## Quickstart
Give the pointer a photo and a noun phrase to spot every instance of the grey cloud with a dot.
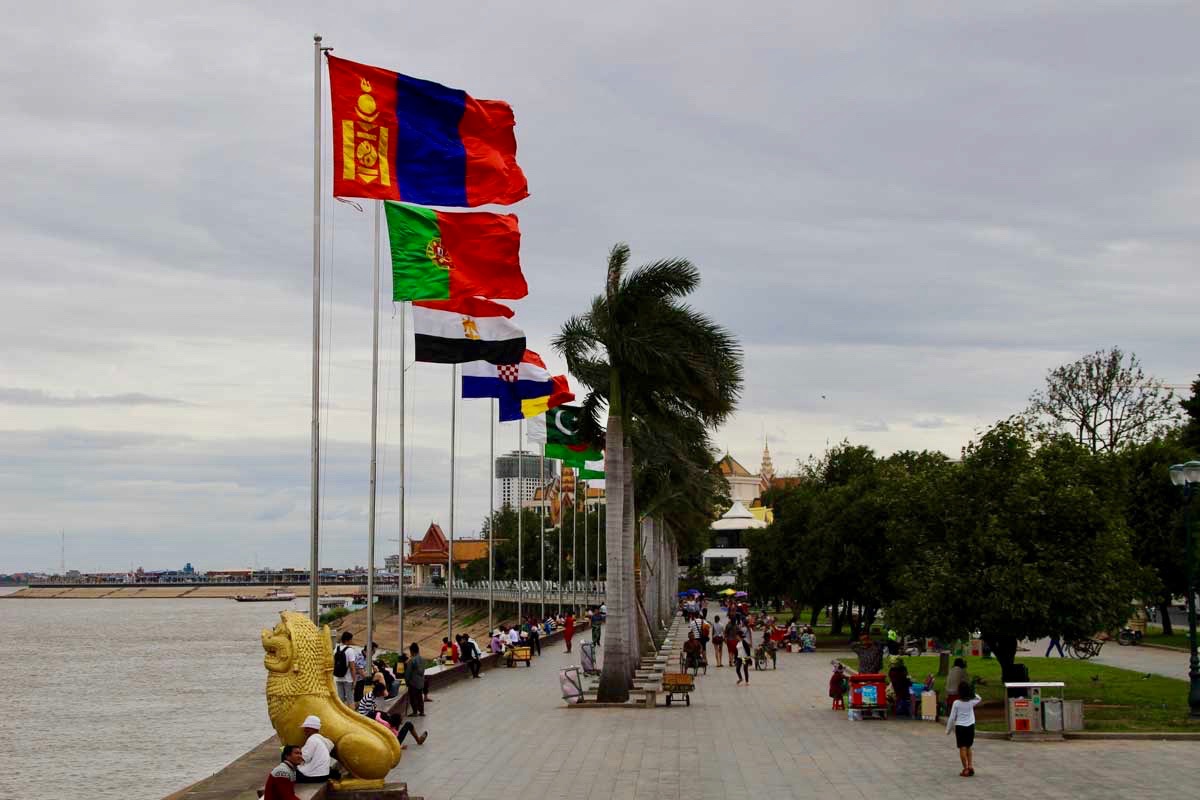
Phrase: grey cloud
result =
(11, 395)
(942, 203)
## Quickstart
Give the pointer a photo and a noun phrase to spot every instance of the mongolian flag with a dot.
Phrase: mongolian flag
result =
(438, 255)
(466, 329)
(402, 138)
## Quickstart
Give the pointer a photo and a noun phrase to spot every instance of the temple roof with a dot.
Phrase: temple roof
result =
(730, 467)
(434, 547)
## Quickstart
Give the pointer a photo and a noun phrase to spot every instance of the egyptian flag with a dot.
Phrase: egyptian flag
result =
(466, 329)
(396, 137)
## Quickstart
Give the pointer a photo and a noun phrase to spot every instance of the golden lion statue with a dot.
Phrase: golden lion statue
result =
(299, 664)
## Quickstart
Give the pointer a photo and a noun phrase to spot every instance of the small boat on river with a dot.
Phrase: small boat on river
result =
(275, 595)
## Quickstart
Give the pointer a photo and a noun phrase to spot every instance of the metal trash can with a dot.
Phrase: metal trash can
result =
(1072, 715)
(1052, 715)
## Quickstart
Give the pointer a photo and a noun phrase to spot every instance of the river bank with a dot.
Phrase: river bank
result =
(123, 592)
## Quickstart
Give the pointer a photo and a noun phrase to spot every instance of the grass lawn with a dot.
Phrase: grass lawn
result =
(1113, 699)
(1154, 635)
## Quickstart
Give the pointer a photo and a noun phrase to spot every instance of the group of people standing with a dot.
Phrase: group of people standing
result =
(734, 637)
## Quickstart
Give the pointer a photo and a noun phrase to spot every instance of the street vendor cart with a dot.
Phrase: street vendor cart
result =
(678, 683)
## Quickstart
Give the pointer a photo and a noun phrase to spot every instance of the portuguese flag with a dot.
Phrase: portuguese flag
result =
(438, 255)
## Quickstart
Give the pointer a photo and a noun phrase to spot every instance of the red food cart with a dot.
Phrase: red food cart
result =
(868, 694)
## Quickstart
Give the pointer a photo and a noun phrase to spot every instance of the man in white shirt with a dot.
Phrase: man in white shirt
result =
(514, 636)
(317, 766)
(345, 681)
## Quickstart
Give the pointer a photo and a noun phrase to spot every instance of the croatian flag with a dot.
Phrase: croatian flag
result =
(524, 390)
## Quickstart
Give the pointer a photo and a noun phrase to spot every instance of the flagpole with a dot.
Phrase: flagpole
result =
(374, 428)
(574, 552)
(587, 587)
(542, 515)
(520, 512)
(314, 610)
(491, 513)
(450, 549)
(403, 411)
(561, 520)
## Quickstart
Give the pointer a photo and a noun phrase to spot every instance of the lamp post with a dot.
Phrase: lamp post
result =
(1187, 477)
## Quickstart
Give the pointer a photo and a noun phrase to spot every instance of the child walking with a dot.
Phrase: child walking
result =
(962, 720)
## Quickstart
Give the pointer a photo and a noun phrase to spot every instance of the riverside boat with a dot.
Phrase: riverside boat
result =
(275, 595)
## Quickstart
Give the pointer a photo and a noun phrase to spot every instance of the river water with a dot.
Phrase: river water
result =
(127, 699)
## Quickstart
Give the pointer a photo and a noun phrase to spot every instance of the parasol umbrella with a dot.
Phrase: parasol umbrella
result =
(727, 592)
(740, 594)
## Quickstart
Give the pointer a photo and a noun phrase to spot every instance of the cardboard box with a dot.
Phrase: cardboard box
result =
(929, 705)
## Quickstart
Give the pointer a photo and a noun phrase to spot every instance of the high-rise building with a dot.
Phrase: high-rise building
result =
(517, 476)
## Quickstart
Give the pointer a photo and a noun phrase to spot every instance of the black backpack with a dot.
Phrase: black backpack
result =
(340, 665)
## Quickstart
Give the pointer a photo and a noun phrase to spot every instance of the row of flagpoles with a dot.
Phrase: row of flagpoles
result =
(412, 144)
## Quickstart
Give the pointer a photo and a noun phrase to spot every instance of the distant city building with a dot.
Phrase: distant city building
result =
(517, 476)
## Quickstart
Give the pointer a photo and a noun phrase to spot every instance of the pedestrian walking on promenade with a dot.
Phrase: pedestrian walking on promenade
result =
(597, 623)
(569, 630)
(731, 634)
(1055, 641)
(961, 720)
(345, 668)
(414, 678)
(718, 640)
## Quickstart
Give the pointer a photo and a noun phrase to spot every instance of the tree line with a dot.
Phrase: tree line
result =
(1055, 521)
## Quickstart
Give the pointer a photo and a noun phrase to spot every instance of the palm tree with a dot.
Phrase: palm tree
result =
(653, 361)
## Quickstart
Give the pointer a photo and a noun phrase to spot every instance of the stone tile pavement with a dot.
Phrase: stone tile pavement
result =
(510, 735)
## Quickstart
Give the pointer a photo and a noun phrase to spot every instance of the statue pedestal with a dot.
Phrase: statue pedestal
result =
(395, 791)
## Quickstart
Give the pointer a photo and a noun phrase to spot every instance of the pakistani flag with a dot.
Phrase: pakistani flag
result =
(563, 440)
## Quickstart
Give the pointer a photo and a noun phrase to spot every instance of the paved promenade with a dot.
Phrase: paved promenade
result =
(1168, 663)
(510, 735)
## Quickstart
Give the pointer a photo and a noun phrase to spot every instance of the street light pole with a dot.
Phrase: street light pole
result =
(1187, 477)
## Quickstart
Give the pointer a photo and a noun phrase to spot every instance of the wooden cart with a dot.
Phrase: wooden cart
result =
(514, 654)
(678, 683)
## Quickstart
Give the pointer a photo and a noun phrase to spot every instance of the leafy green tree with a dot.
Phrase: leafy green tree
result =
(1026, 538)
(647, 356)
(1190, 435)
(1104, 400)
(1154, 508)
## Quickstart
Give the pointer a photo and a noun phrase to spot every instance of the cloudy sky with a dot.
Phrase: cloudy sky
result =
(907, 218)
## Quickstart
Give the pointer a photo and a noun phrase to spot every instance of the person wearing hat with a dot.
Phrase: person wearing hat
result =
(317, 764)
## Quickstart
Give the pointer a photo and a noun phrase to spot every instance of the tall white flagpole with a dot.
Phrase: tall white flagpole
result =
(542, 516)
(403, 411)
(574, 552)
(374, 427)
(491, 515)
(450, 548)
(520, 514)
(314, 610)
(561, 520)
(587, 587)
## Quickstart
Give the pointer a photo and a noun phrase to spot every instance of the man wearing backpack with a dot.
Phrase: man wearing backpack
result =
(345, 668)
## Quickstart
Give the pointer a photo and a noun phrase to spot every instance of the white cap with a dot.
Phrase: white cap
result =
(312, 721)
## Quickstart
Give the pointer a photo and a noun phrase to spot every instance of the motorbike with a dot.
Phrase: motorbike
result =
(1129, 637)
